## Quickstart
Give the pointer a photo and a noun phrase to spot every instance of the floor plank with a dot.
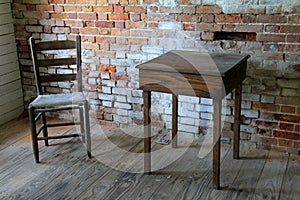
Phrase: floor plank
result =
(291, 184)
(67, 173)
(270, 181)
(247, 177)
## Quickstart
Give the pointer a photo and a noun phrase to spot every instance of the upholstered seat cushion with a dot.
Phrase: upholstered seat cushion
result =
(52, 100)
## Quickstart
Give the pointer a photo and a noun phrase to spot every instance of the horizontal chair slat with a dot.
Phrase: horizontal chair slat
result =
(55, 45)
(56, 62)
(59, 137)
(58, 77)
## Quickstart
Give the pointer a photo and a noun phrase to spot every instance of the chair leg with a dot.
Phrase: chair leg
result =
(87, 129)
(34, 135)
(82, 128)
(45, 130)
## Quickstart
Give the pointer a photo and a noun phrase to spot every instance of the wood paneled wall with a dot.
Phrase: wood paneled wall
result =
(11, 95)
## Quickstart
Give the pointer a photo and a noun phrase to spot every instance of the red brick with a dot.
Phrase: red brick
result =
(119, 25)
(57, 1)
(228, 27)
(44, 7)
(104, 8)
(41, 15)
(89, 24)
(75, 30)
(120, 32)
(90, 45)
(124, 2)
(208, 10)
(288, 109)
(88, 39)
(207, 18)
(271, 19)
(89, 31)
(58, 15)
(139, 24)
(228, 18)
(266, 106)
(72, 15)
(188, 18)
(297, 145)
(72, 8)
(287, 118)
(118, 17)
(87, 16)
(286, 127)
(249, 18)
(104, 24)
(266, 124)
(102, 16)
(272, 28)
(135, 9)
(150, 1)
(120, 77)
(293, 101)
(74, 23)
(286, 135)
(189, 27)
(106, 39)
(270, 38)
(208, 27)
(134, 1)
(294, 19)
(286, 143)
(295, 67)
(249, 28)
(297, 128)
(86, 1)
(107, 68)
(88, 9)
(293, 38)
(119, 9)
(289, 29)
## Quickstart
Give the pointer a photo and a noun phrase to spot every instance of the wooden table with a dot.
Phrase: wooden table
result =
(194, 74)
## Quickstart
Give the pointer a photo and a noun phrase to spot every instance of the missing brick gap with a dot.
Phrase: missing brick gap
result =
(238, 36)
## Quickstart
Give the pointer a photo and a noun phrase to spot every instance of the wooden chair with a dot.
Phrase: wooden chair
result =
(46, 102)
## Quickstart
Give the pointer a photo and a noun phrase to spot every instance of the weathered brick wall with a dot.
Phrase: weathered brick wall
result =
(119, 34)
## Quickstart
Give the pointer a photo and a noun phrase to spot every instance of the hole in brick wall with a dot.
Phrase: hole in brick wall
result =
(242, 36)
(298, 152)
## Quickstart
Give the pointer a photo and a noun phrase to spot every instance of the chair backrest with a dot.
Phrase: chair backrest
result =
(47, 54)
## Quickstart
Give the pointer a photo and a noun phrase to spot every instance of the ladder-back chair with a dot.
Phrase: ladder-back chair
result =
(49, 102)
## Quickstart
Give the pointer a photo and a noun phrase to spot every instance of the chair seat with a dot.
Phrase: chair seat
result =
(52, 100)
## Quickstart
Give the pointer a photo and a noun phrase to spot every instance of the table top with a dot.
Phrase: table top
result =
(193, 62)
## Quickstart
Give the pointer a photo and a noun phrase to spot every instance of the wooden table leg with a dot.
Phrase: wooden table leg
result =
(236, 124)
(174, 120)
(217, 145)
(147, 131)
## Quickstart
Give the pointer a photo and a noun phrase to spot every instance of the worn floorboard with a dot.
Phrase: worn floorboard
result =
(65, 171)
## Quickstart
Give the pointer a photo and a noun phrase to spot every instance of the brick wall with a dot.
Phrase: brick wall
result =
(119, 34)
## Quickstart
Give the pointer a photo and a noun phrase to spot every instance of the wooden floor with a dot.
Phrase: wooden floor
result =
(65, 172)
